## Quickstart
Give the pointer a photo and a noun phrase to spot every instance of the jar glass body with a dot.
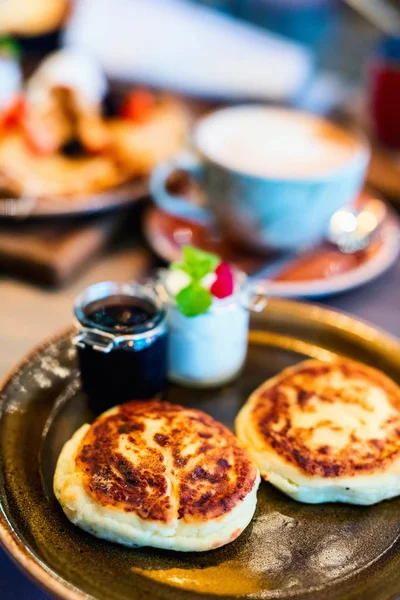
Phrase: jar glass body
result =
(117, 366)
(210, 349)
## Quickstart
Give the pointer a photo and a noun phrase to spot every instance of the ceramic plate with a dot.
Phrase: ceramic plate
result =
(290, 550)
(64, 206)
(320, 272)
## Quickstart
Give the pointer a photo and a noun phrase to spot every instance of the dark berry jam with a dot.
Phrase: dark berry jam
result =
(122, 344)
(121, 314)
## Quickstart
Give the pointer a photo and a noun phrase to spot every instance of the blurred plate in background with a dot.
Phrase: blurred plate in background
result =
(73, 206)
(322, 271)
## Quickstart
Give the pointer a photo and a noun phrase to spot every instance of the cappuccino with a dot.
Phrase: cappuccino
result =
(272, 178)
(275, 143)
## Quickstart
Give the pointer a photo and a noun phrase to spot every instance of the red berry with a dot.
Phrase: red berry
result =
(224, 284)
(224, 268)
(138, 106)
(13, 113)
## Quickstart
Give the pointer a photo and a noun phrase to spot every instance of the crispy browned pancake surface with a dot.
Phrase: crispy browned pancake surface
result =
(330, 420)
(161, 460)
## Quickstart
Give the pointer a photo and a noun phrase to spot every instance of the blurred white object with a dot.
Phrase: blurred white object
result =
(71, 70)
(182, 46)
(10, 80)
(326, 92)
(64, 98)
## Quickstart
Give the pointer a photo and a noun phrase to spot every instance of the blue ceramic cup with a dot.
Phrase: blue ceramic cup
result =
(272, 178)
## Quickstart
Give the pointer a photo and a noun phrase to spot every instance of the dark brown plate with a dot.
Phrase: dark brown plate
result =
(290, 550)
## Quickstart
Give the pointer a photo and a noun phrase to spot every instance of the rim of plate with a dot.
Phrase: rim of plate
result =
(31, 564)
(369, 270)
(35, 568)
(122, 195)
(378, 264)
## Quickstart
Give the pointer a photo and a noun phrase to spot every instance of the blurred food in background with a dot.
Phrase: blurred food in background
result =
(64, 100)
(128, 79)
(32, 17)
(57, 135)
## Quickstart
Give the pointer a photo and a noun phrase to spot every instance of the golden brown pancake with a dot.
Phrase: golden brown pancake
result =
(49, 176)
(326, 432)
(157, 474)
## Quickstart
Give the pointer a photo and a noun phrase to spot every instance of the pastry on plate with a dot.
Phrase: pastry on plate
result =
(148, 131)
(150, 473)
(64, 100)
(28, 173)
(63, 105)
(60, 104)
(326, 432)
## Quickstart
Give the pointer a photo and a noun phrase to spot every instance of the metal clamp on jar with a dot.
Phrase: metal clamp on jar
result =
(121, 343)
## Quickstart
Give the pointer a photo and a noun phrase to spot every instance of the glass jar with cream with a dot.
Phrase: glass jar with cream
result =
(121, 343)
(208, 306)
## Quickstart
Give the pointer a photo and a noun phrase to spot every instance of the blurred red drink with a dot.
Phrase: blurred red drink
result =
(384, 91)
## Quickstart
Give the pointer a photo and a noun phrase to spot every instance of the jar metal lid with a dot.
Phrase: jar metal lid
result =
(104, 340)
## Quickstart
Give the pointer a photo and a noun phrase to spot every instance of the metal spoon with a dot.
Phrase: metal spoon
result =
(352, 230)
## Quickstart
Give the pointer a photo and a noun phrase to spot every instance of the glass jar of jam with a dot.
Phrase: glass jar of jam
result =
(121, 343)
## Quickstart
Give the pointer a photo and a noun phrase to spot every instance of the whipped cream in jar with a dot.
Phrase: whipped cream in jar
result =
(208, 349)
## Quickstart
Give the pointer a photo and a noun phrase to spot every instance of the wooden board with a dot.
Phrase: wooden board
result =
(53, 253)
